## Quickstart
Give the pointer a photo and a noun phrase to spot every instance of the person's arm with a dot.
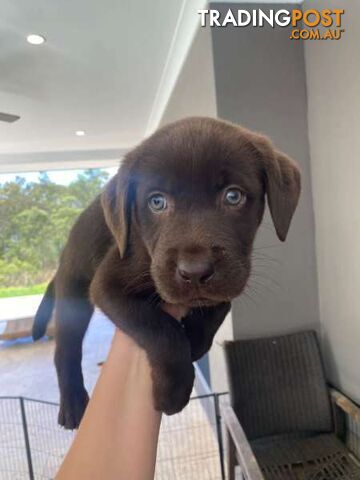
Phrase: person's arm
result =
(117, 438)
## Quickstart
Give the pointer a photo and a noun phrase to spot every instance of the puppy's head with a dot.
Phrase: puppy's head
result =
(194, 192)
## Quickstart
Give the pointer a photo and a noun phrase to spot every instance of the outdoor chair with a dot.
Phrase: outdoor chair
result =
(284, 422)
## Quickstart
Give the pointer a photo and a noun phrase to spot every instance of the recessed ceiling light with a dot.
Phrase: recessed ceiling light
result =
(80, 133)
(35, 39)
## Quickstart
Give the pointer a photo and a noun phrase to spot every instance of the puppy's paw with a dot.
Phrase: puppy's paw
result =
(72, 408)
(172, 386)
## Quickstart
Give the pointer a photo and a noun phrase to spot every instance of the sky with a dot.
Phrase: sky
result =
(62, 177)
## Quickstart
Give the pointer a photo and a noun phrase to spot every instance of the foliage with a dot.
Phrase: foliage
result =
(36, 218)
(22, 291)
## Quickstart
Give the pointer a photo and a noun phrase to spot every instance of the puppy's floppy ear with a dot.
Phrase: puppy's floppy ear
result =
(116, 201)
(282, 183)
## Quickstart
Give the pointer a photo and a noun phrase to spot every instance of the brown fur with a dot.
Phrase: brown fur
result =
(197, 252)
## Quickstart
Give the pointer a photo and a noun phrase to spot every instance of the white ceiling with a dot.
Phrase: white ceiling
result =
(98, 71)
(108, 67)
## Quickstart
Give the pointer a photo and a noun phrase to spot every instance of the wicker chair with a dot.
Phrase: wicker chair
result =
(284, 423)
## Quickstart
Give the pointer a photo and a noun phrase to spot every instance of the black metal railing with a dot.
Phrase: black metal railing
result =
(32, 445)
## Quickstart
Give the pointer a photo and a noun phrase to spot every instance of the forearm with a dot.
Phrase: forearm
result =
(118, 435)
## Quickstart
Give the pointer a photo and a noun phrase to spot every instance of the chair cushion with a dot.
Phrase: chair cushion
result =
(277, 385)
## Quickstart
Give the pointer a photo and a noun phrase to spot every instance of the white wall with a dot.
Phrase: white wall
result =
(333, 82)
(194, 91)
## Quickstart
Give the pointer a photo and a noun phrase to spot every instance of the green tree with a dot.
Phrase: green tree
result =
(35, 221)
(87, 185)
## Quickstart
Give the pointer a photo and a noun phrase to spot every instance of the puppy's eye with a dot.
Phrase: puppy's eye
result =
(157, 202)
(234, 196)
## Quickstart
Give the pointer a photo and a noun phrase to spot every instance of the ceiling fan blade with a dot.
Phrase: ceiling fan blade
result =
(7, 117)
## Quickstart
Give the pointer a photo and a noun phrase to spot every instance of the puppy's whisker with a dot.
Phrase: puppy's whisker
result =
(263, 256)
(267, 227)
(267, 278)
(262, 288)
(266, 247)
(246, 296)
(269, 262)
(256, 294)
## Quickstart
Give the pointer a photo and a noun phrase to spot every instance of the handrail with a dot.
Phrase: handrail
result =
(47, 402)
(347, 405)
(248, 462)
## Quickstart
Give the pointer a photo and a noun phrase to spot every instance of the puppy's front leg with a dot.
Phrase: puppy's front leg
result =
(159, 334)
(201, 326)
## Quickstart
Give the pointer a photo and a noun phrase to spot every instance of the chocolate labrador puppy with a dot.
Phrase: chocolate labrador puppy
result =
(176, 224)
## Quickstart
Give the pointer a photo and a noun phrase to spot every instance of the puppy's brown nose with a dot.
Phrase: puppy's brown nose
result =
(194, 271)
